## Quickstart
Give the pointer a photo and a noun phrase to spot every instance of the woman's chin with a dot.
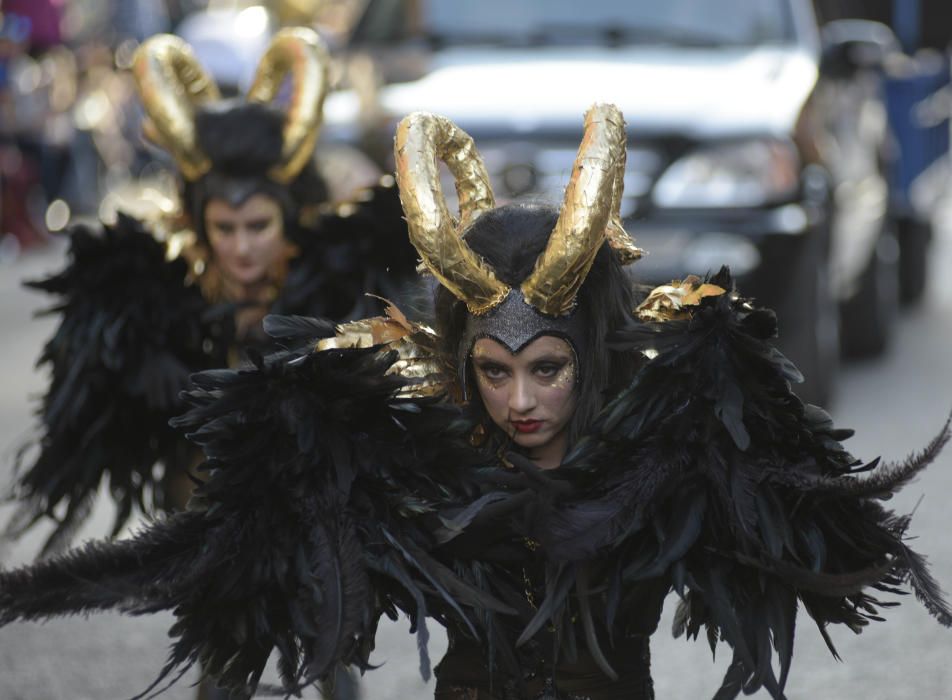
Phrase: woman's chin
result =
(531, 439)
(246, 277)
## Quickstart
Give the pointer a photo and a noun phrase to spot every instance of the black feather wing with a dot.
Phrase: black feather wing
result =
(131, 330)
(710, 474)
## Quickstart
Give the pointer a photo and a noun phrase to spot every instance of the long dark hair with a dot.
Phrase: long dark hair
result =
(510, 238)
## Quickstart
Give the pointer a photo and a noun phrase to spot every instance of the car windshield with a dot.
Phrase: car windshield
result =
(560, 22)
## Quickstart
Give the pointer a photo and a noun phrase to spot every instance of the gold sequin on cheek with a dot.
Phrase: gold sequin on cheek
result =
(483, 381)
(565, 378)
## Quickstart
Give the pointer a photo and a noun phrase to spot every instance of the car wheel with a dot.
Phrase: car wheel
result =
(914, 237)
(867, 318)
(809, 325)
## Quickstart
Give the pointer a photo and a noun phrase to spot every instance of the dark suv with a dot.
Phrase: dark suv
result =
(752, 143)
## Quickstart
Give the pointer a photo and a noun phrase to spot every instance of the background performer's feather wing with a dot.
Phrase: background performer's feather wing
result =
(131, 330)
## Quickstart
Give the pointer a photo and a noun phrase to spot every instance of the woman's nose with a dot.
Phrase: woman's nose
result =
(522, 398)
(243, 242)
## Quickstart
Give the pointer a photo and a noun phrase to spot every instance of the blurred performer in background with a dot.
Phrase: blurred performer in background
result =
(143, 304)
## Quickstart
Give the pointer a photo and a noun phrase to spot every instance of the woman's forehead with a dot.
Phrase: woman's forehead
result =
(256, 206)
(543, 346)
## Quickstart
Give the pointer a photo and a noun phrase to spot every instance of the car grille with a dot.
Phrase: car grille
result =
(540, 172)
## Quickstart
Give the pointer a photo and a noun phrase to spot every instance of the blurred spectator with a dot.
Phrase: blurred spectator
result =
(45, 21)
(111, 22)
(31, 29)
(140, 19)
(920, 24)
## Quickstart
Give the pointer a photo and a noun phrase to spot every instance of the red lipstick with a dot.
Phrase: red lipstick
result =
(527, 426)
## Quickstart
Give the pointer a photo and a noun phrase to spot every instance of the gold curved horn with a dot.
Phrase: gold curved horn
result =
(621, 243)
(300, 53)
(171, 82)
(591, 205)
(421, 141)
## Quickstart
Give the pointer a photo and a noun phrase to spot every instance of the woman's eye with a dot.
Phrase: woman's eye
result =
(492, 372)
(259, 226)
(547, 370)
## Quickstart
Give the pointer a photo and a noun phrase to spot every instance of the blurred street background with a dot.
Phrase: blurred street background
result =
(806, 144)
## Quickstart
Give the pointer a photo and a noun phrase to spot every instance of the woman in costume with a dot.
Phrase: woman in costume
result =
(537, 476)
(145, 303)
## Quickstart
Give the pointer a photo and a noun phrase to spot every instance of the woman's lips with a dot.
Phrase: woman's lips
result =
(527, 426)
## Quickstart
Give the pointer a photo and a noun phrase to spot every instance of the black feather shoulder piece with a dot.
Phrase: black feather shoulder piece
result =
(709, 474)
(130, 333)
(327, 462)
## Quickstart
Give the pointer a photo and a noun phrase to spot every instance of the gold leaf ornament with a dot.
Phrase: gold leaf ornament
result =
(672, 302)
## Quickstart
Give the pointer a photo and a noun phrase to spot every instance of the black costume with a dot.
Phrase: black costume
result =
(344, 485)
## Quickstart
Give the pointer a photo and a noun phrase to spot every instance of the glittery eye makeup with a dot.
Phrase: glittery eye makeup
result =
(547, 369)
(556, 370)
(563, 377)
(490, 371)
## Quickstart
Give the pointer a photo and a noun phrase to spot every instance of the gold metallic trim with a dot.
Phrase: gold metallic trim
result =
(422, 140)
(673, 302)
(300, 53)
(417, 358)
(591, 204)
(624, 245)
(171, 83)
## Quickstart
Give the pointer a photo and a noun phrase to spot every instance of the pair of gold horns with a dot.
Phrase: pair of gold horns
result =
(172, 84)
(589, 213)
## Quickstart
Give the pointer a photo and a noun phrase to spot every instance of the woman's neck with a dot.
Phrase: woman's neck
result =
(550, 455)
(255, 292)
(253, 300)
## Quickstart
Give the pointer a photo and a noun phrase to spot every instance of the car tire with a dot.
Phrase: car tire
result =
(867, 318)
(809, 324)
(914, 238)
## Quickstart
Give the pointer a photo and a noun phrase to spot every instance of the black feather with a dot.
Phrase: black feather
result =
(710, 473)
(130, 333)
(316, 516)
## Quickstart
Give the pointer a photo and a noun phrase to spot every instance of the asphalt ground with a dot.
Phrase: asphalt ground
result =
(896, 403)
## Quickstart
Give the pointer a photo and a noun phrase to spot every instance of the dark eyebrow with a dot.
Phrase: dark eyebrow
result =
(489, 362)
(263, 221)
(552, 358)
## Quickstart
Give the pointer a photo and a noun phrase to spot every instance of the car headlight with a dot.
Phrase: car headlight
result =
(739, 174)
